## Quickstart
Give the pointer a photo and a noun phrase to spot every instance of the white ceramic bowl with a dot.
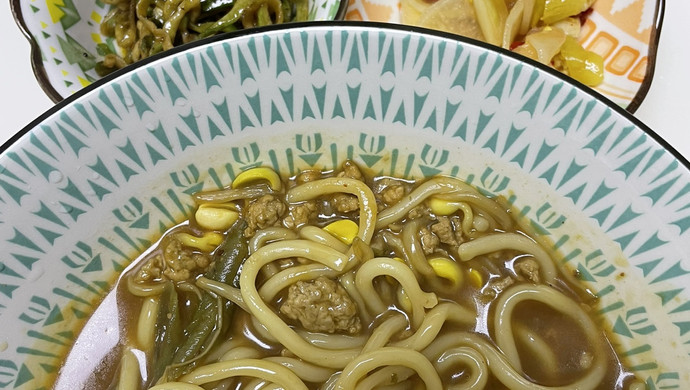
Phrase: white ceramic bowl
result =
(94, 181)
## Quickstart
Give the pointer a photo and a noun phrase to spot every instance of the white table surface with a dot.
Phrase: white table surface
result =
(665, 109)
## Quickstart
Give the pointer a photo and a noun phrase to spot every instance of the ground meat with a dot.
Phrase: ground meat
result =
(300, 214)
(351, 170)
(429, 241)
(322, 305)
(262, 213)
(446, 232)
(151, 270)
(496, 286)
(345, 203)
(389, 191)
(183, 263)
(392, 194)
(528, 269)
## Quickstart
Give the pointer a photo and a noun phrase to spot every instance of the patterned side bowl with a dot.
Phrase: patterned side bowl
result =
(95, 180)
(64, 34)
(624, 32)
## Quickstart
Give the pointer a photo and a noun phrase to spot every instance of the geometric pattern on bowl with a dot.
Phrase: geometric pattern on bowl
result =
(96, 181)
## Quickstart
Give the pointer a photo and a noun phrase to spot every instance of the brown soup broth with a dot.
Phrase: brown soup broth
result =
(484, 279)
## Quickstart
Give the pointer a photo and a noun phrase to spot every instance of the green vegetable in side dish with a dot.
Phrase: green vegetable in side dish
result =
(142, 28)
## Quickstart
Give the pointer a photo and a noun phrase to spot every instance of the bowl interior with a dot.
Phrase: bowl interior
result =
(99, 177)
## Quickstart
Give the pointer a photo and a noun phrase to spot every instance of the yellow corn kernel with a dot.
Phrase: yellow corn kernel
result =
(476, 278)
(259, 173)
(344, 230)
(216, 217)
(443, 207)
(404, 300)
(447, 269)
(206, 243)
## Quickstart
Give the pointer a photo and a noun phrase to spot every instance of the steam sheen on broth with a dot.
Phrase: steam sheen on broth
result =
(338, 280)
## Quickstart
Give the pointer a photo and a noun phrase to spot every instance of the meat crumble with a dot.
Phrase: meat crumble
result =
(322, 305)
(429, 240)
(183, 263)
(264, 212)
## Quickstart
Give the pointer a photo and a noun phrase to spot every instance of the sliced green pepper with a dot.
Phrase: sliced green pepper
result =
(228, 258)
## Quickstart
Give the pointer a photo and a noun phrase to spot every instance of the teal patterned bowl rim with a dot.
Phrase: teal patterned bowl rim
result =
(37, 57)
(597, 124)
(627, 112)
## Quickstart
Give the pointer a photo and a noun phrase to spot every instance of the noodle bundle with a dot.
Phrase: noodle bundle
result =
(336, 280)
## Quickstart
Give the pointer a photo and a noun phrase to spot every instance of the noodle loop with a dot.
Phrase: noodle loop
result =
(395, 285)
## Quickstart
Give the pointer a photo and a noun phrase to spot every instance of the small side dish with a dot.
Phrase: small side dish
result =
(75, 43)
(623, 33)
(141, 28)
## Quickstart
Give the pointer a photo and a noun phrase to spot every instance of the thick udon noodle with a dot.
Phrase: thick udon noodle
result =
(457, 325)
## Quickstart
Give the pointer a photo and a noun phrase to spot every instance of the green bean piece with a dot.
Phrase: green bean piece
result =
(169, 7)
(239, 9)
(228, 19)
(103, 49)
(229, 28)
(199, 27)
(302, 10)
(157, 47)
(230, 254)
(108, 25)
(263, 17)
(196, 335)
(287, 9)
(212, 7)
(103, 70)
(173, 23)
(168, 331)
(142, 9)
(228, 258)
(145, 45)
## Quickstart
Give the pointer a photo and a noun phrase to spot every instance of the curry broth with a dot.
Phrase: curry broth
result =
(554, 328)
